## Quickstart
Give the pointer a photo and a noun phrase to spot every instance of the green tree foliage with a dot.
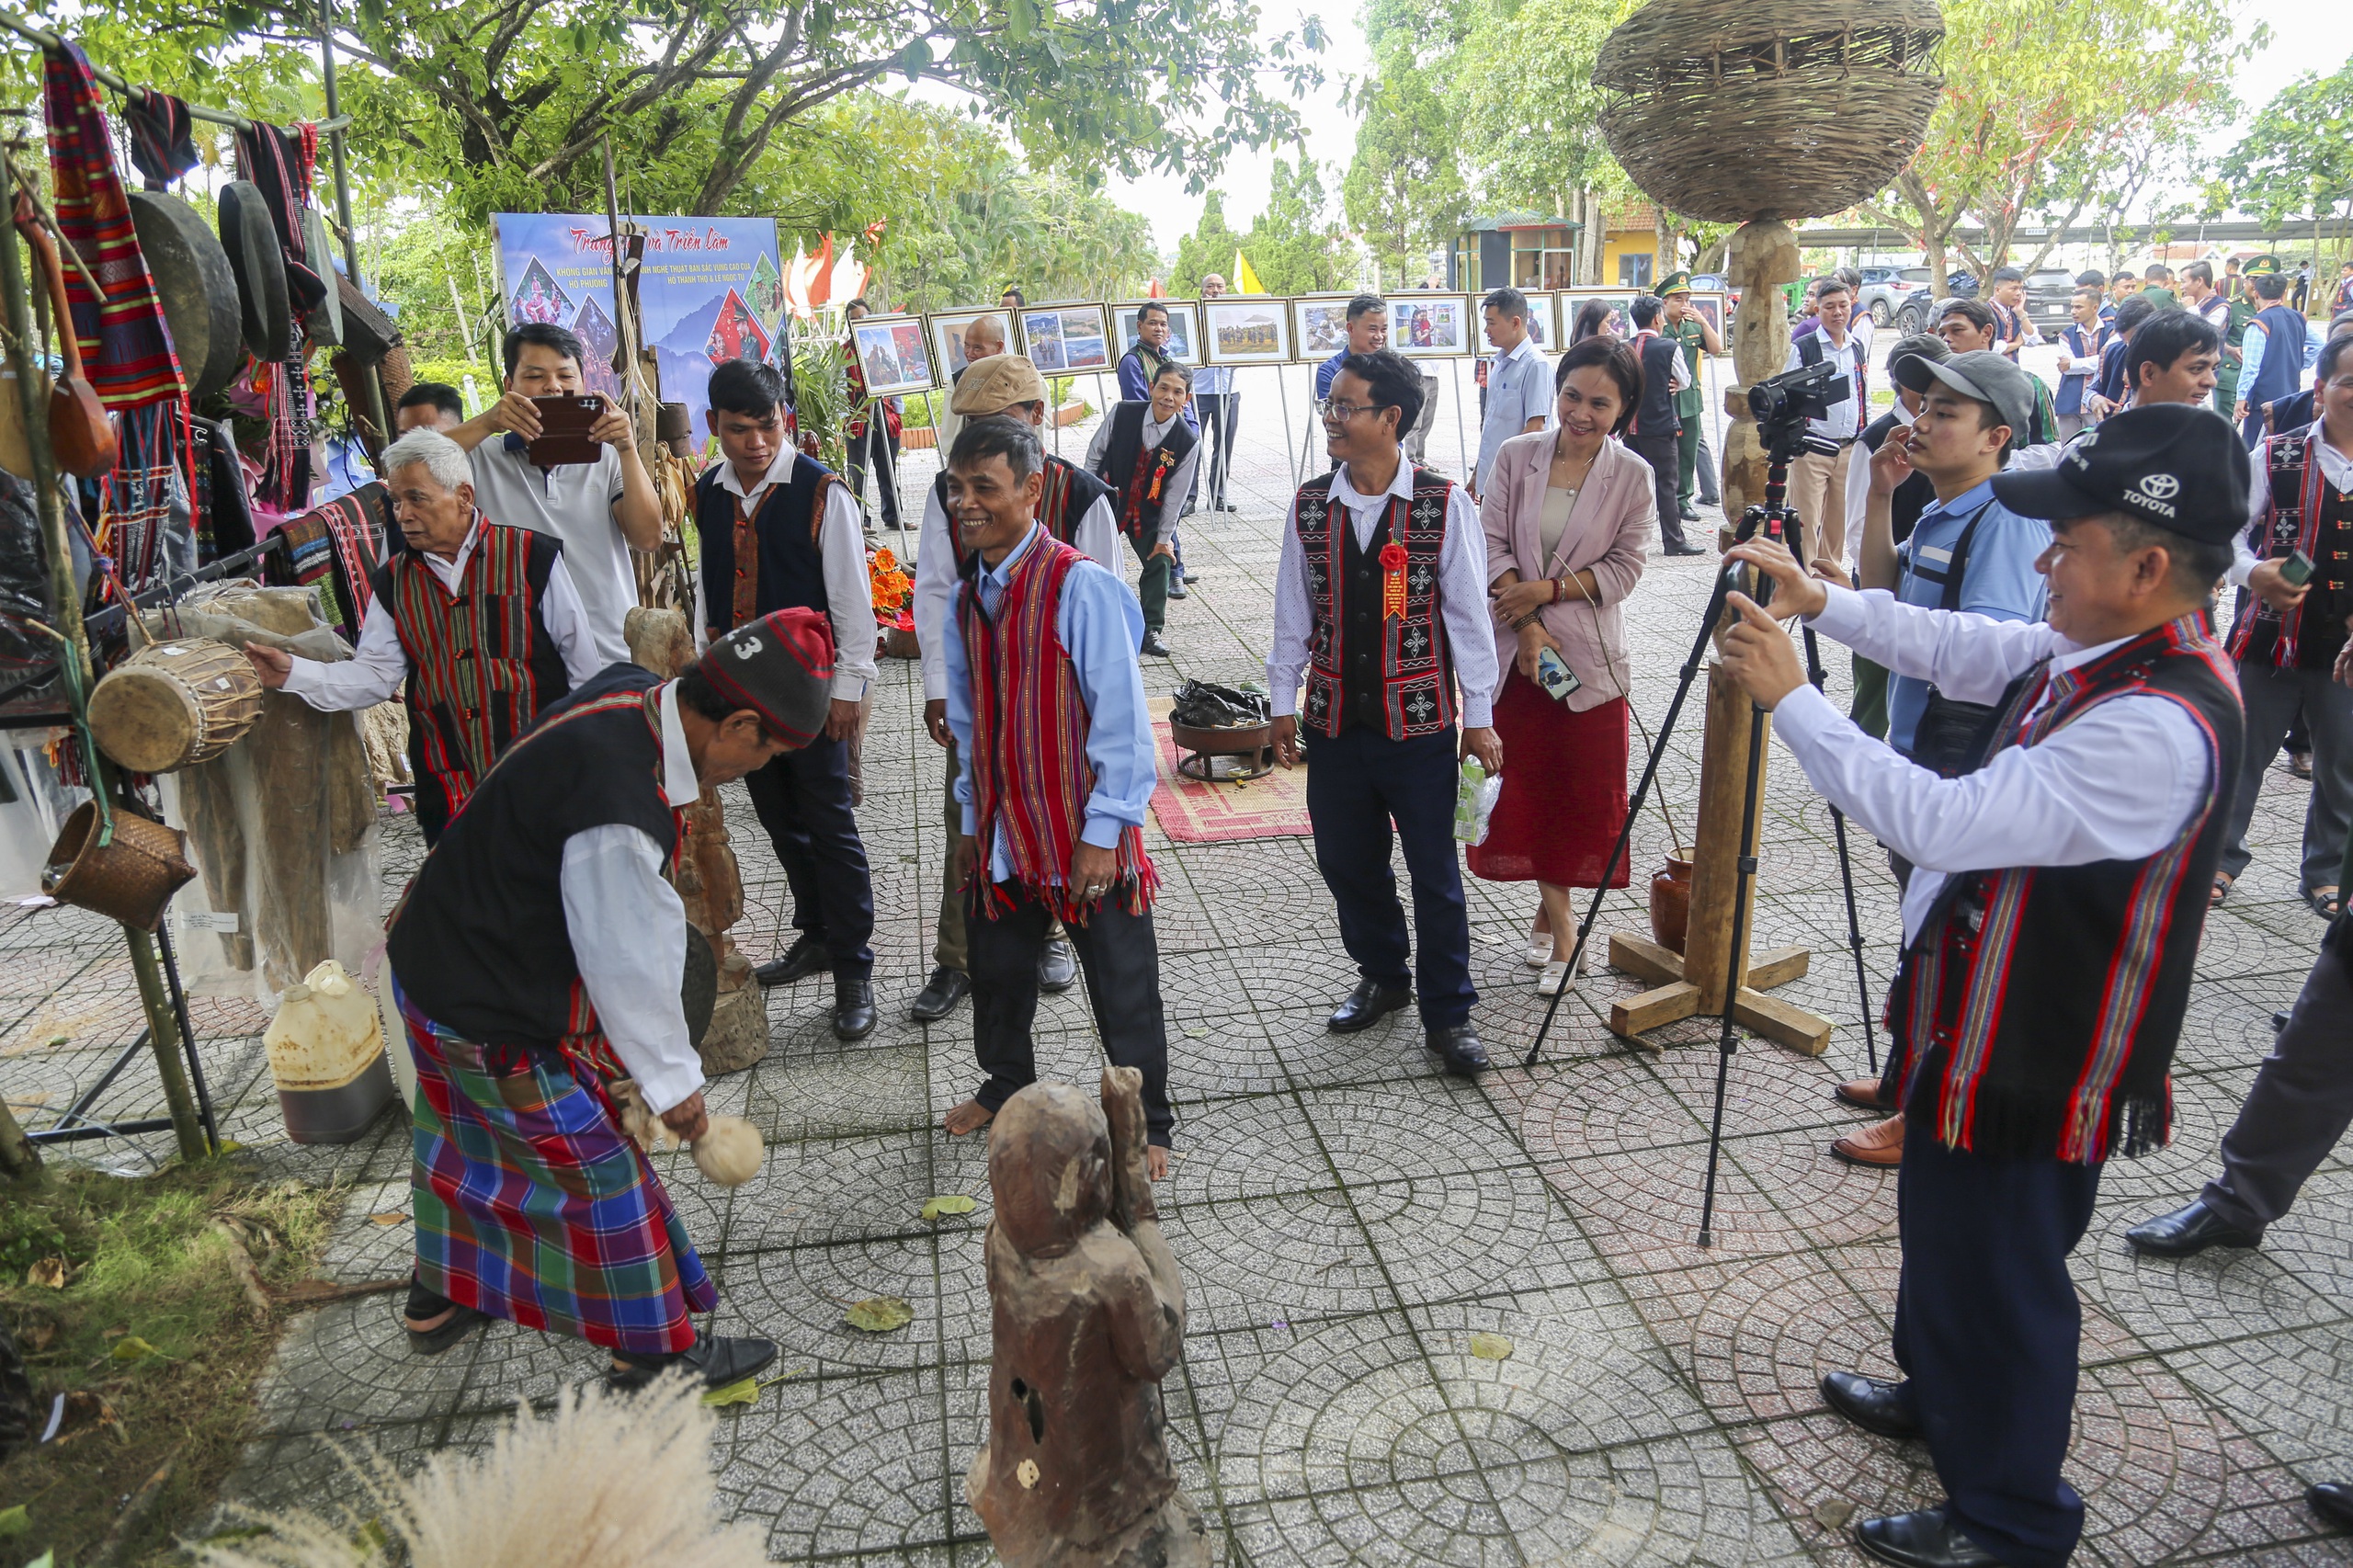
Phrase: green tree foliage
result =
(1296, 245)
(504, 103)
(1405, 189)
(2108, 86)
(1532, 127)
(2297, 158)
(1208, 248)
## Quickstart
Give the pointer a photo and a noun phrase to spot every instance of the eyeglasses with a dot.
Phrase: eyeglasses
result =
(1334, 409)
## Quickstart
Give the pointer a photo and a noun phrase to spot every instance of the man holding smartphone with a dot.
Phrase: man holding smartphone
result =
(2293, 564)
(600, 510)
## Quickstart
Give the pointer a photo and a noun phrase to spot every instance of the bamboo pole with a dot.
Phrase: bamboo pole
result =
(162, 1027)
(335, 122)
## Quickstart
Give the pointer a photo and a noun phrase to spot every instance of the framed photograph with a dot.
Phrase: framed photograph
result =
(1543, 322)
(948, 338)
(1432, 326)
(1065, 340)
(891, 351)
(1319, 325)
(1618, 301)
(1184, 328)
(1716, 310)
(1252, 330)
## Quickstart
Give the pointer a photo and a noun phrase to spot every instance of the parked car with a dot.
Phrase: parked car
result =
(2050, 300)
(1884, 287)
(1918, 309)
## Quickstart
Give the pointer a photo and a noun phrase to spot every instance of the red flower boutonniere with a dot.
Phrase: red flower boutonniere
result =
(1393, 582)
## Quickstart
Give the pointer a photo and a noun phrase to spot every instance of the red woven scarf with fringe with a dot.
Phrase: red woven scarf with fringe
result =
(1030, 776)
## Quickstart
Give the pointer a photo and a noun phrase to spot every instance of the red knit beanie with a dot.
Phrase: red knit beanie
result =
(781, 667)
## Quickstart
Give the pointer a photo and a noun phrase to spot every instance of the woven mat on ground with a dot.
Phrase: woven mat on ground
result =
(1194, 813)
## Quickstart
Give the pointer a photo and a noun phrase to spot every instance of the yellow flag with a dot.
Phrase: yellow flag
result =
(1244, 280)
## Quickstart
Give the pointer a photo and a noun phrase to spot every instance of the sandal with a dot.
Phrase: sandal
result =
(2222, 880)
(2326, 903)
(460, 1322)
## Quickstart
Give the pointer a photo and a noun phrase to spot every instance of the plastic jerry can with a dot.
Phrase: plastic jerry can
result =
(326, 1055)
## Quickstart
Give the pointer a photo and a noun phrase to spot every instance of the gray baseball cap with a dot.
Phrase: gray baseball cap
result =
(1987, 378)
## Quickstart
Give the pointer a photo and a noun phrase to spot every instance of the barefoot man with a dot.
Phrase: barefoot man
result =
(1045, 696)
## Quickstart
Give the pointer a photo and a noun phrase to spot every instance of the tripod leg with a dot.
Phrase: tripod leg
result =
(1815, 674)
(1743, 879)
(1635, 807)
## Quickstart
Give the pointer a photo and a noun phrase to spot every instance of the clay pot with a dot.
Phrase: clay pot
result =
(1671, 904)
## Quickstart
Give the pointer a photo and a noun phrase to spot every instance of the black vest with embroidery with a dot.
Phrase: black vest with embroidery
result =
(2316, 626)
(2035, 1014)
(1394, 674)
(1069, 493)
(1138, 511)
(791, 561)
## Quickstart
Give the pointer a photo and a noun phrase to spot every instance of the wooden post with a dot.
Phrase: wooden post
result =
(19, 1158)
(1723, 782)
(1761, 257)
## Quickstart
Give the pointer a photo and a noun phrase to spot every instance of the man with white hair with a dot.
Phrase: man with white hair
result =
(984, 339)
(481, 620)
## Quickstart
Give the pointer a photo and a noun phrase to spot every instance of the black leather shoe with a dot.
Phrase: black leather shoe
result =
(800, 960)
(460, 1322)
(940, 996)
(2188, 1231)
(1368, 1005)
(1873, 1403)
(853, 1006)
(1176, 589)
(1151, 647)
(1688, 514)
(1922, 1540)
(1459, 1044)
(718, 1361)
(1685, 550)
(2333, 1501)
(1057, 966)
(1195, 576)
(2279, 1020)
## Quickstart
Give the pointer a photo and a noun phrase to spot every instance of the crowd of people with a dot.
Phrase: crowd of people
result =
(2083, 628)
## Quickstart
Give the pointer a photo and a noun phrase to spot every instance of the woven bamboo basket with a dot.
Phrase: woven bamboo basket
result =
(1735, 113)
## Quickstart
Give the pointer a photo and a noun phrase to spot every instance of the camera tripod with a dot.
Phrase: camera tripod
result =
(1777, 520)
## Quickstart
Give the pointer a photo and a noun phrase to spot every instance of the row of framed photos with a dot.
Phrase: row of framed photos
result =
(910, 354)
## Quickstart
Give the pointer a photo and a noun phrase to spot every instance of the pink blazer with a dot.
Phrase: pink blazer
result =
(1610, 531)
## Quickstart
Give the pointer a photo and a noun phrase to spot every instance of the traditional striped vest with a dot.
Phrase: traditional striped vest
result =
(482, 664)
(1069, 495)
(2036, 1013)
(1030, 776)
(1390, 673)
(2306, 513)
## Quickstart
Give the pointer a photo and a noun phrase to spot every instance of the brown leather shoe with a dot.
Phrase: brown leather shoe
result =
(1878, 1146)
(1860, 1093)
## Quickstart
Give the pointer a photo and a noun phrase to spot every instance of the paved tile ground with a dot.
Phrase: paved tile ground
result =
(1346, 1217)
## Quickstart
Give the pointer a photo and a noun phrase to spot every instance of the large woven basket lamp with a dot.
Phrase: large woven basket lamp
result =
(1754, 113)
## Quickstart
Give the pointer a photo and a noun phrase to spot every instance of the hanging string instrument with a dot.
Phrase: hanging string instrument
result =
(81, 436)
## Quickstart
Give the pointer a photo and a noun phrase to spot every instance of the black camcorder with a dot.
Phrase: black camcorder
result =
(1809, 391)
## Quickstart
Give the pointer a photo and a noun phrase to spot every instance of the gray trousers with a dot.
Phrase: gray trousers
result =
(1417, 440)
(2273, 697)
(2301, 1104)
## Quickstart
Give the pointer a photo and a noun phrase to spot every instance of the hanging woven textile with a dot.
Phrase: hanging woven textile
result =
(281, 163)
(145, 521)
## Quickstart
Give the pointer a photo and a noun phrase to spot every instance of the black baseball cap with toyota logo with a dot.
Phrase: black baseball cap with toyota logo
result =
(2177, 465)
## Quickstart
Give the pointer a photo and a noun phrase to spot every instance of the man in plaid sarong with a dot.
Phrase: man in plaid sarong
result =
(537, 960)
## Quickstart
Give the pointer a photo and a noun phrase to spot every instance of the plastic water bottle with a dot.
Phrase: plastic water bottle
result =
(1474, 801)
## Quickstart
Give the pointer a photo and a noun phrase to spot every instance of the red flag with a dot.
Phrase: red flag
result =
(820, 288)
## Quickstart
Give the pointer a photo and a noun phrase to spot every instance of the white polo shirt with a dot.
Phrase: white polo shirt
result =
(574, 502)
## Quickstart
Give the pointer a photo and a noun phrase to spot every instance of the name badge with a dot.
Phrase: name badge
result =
(1940, 556)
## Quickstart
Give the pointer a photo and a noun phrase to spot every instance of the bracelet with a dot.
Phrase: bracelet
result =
(1556, 591)
(1525, 621)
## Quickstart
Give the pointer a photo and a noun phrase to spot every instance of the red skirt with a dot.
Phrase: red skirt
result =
(1563, 800)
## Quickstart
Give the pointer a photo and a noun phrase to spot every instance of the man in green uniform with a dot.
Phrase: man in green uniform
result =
(1693, 337)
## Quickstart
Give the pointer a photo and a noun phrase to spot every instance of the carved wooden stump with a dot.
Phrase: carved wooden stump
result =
(1762, 258)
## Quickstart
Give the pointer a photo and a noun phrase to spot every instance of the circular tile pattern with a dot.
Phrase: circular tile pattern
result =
(1766, 1334)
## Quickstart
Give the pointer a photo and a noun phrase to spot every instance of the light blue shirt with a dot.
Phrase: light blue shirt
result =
(1213, 381)
(1100, 623)
(1998, 581)
(1518, 388)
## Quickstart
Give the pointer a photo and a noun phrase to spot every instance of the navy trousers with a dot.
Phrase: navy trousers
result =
(1359, 782)
(802, 799)
(1986, 1330)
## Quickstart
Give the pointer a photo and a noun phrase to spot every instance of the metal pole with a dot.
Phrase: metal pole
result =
(1282, 387)
(336, 120)
(1462, 452)
(67, 608)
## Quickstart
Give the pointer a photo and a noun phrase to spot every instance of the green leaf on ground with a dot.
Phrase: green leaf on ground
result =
(15, 1521)
(744, 1391)
(947, 1203)
(880, 1314)
(1490, 1347)
(130, 1348)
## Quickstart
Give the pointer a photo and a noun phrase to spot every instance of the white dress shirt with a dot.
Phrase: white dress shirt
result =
(376, 668)
(2117, 782)
(1461, 596)
(1846, 418)
(1096, 538)
(629, 933)
(2335, 467)
(849, 591)
(1173, 489)
(574, 503)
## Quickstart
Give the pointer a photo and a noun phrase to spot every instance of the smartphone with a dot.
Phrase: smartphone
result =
(2297, 570)
(565, 423)
(1558, 680)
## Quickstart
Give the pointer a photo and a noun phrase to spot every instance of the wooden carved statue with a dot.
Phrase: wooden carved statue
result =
(1089, 1315)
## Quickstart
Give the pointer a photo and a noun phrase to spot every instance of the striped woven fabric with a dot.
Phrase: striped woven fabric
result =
(472, 688)
(126, 347)
(532, 1205)
(308, 561)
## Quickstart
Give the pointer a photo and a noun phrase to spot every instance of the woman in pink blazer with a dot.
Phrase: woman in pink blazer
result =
(1569, 514)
